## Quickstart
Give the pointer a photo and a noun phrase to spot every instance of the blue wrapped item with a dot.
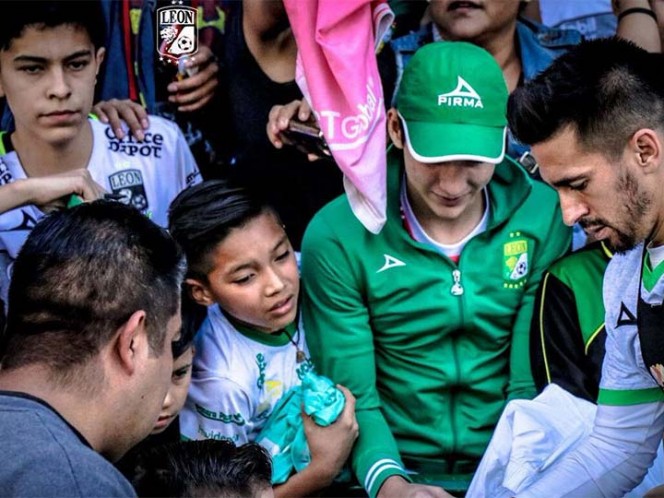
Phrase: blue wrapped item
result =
(283, 434)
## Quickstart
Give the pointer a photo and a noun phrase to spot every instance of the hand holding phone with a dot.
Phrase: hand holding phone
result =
(307, 138)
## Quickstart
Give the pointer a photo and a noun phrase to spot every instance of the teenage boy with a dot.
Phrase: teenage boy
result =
(86, 355)
(50, 54)
(595, 121)
(427, 322)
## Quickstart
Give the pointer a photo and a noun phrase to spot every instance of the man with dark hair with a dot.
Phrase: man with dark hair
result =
(205, 468)
(595, 121)
(86, 356)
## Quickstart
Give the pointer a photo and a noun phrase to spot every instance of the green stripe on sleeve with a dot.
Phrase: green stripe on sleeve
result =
(615, 397)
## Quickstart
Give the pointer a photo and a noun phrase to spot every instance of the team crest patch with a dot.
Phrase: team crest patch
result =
(177, 32)
(128, 184)
(515, 261)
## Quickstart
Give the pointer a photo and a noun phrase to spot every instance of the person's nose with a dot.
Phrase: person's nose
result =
(168, 400)
(573, 208)
(451, 180)
(275, 281)
(59, 86)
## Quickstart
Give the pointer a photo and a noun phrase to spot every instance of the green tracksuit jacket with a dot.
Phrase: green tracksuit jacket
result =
(431, 370)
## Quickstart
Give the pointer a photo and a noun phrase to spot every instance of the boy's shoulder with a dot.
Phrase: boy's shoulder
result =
(337, 218)
(162, 133)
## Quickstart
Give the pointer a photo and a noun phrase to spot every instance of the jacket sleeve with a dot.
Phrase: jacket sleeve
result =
(550, 247)
(557, 350)
(340, 339)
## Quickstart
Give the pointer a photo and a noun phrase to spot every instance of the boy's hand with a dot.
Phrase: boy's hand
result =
(279, 118)
(195, 91)
(50, 192)
(398, 487)
(330, 446)
(115, 111)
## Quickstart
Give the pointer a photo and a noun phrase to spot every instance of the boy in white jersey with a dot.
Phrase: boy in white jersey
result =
(50, 54)
(251, 349)
(595, 120)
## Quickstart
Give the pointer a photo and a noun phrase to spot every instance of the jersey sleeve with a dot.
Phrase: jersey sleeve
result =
(556, 243)
(188, 172)
(611, 461)
(341, 342)
(557, 350)
(217, 408)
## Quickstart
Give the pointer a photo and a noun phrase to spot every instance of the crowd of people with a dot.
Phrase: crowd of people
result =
(190, 307)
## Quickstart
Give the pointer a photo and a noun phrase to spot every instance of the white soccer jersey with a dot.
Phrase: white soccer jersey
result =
(630, 414)
(238, 378)
(148, 175)
(625, 377)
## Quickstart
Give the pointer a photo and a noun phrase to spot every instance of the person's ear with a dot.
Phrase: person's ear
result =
(199, 292)
(131, 341)
(99, 57)
(646, 147)
(394, 128)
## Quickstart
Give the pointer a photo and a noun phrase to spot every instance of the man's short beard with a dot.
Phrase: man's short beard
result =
(637, 204)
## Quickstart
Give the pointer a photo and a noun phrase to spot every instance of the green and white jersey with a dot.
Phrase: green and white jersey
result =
(630, 414)
(238, 376)
(626, 379)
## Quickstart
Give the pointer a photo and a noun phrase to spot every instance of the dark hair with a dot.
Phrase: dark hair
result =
(605, 89)
(80, 275)
(202, 468)
(203, 215)
(193, 315)
(19, 14)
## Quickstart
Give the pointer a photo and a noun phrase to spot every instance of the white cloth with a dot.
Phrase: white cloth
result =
(148, 175)
(531, 436)
(237, 381)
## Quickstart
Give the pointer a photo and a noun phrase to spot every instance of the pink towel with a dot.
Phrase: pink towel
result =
(338, 75)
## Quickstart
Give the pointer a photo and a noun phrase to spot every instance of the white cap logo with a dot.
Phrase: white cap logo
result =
(462, 96)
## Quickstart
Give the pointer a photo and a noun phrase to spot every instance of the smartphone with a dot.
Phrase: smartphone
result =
(307, 138)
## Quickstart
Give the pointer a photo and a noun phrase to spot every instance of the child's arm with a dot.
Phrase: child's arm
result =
(43, 191)
(329, 447)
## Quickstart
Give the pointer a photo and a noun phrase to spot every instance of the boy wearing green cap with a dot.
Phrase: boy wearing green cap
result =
(427, 322)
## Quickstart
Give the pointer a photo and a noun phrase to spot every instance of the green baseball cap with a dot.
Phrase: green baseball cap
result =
(452, 101)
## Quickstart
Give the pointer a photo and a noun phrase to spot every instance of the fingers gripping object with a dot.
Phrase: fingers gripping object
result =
(183, 70)
(307, 138)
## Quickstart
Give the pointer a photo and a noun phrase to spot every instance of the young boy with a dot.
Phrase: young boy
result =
(50, 54)
(251, 349)
(167, 428)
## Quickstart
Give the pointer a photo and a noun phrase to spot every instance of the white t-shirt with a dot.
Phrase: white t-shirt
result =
(237, 379)
(148, 175)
